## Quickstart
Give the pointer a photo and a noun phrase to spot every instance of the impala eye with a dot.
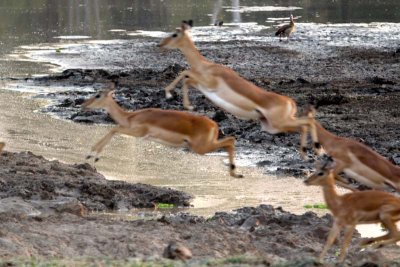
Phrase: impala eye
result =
(174, 35)
(320, 174)
(97, 96)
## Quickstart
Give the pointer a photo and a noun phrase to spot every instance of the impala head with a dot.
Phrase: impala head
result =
(309, 111)
(177, 39)
(99, 100)
(322, 174)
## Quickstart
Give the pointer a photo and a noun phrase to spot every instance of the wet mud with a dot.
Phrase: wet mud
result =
(47, 209)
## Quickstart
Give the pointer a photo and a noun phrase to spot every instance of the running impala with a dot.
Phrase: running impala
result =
(354, 208)
(356, 160)
(227, 90)
(170, 127)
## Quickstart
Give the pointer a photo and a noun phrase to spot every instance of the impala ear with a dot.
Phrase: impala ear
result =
(187, 25)
(110, 92)
(329, 163)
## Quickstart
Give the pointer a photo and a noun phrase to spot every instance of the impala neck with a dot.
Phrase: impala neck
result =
(332, 199)
(192, 54)
(116, 113)
(325, 137)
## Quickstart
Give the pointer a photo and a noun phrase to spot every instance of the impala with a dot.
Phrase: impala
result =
(227, 90)
(356, 160)
(286, 29)
(175, 128)
(362, 207)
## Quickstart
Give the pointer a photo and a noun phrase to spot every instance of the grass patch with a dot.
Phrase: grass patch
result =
(316, 206)
(165, 206)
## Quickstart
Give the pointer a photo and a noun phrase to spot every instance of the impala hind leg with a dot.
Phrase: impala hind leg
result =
(298, 125)
(202, 146)
(388, 219)
(98, 147)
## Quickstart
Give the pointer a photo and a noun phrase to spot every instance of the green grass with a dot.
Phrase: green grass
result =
(165, 206)
(316, 206)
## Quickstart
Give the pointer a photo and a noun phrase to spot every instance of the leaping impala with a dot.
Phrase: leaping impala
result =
(175, 128)
(227, 90)
(356, 160)
(362, 207)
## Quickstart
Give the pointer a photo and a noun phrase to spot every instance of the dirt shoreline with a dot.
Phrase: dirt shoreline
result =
(47, 209)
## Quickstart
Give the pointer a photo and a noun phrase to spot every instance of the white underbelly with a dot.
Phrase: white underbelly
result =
(166, 137)
(364, 174)
(231, 103)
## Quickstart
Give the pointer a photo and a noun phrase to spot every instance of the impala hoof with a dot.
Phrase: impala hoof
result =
(168, 95)
(238, 176)
(189, 108)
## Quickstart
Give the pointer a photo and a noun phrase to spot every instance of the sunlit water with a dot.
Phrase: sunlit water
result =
(49, 36)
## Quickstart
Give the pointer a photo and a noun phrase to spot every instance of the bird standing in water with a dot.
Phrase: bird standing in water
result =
(286, 29)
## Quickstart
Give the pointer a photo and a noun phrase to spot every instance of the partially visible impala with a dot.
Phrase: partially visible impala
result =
(227, 90)
(356, 160)
(362, 207)
(175, 128)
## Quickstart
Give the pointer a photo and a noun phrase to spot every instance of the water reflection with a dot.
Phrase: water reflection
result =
(217, 10)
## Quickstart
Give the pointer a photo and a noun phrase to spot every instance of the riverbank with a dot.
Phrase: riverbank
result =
(52, 210)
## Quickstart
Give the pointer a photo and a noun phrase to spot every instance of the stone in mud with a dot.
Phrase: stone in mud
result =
(380, 81)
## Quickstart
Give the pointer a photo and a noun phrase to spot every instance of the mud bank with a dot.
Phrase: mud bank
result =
(44, 184)
(47, 209)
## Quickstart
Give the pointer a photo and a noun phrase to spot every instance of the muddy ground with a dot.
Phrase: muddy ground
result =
(52, 210)
(356, 91)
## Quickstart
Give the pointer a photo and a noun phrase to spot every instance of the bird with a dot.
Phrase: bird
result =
(286, 29)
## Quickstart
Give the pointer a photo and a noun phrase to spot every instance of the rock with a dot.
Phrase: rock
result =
(396, 159)
(175, 251)
(17, 207)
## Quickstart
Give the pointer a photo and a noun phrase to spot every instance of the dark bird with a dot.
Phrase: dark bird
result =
(219, 23)
(286, 29)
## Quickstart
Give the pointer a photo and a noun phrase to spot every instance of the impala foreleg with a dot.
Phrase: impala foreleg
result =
(185, 91)
(303, 142)
(172, 85)
(99, 146)
(335, 230)
(349, 230)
